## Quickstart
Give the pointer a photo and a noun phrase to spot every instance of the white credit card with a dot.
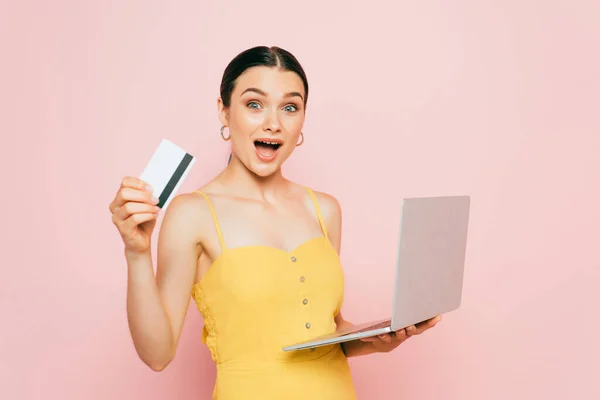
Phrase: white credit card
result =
(166, 171)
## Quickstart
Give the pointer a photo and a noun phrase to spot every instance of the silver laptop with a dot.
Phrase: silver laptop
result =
(429, 268)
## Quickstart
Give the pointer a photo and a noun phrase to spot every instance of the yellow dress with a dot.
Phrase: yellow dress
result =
(257, 299)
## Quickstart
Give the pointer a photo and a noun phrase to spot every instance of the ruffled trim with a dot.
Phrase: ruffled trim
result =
(209, 336)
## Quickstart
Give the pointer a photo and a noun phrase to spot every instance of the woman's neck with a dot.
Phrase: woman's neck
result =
(246, 183)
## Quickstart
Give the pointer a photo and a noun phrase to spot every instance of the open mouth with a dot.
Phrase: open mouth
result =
(267, 149)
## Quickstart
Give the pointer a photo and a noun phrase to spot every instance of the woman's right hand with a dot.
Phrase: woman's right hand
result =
(134, 214)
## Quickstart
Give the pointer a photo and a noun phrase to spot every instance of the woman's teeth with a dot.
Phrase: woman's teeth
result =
(262, 143)
(266, 150)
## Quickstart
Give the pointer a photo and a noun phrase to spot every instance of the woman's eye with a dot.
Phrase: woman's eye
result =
(254, 104)
(290, 108)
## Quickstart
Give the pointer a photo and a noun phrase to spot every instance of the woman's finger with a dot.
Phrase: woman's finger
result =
(386, 338)
(410, 330)
(400, 335)
(423, 326)
(135, 183)
(130, 208)
(430, 323)
(369, 339)
(136, 219)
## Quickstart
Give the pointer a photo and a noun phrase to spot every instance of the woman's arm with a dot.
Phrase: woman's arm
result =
(156, 306)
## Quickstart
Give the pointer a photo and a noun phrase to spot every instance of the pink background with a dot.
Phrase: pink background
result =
(497, 99)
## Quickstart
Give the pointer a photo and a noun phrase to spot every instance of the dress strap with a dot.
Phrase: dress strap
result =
(319, 216)
(214, 215)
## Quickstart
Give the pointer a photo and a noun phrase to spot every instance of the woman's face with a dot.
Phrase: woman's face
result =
(265, 117)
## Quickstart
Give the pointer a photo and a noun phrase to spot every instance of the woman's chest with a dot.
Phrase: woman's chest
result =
(261, 274)
(284, 228)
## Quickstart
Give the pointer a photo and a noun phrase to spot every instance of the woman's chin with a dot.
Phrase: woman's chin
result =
(262, 168)
(265, 170)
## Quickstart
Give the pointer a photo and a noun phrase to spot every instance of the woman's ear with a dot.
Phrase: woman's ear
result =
(222, 112)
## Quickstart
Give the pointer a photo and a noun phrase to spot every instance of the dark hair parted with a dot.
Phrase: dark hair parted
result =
(255, 57)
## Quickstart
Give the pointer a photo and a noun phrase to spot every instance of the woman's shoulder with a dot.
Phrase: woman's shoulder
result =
(330, 208)
(327, 202)
(191, 203)
(331, 213)
(189, 212)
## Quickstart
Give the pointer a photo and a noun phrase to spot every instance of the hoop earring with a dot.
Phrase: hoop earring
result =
(223, 136)
(301, 141)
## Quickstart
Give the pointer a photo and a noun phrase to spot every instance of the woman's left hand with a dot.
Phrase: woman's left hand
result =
(389, 341)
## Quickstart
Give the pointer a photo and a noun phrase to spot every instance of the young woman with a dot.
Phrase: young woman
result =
(257, 252)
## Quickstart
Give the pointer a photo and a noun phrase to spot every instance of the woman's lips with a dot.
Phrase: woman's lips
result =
(267, 149)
